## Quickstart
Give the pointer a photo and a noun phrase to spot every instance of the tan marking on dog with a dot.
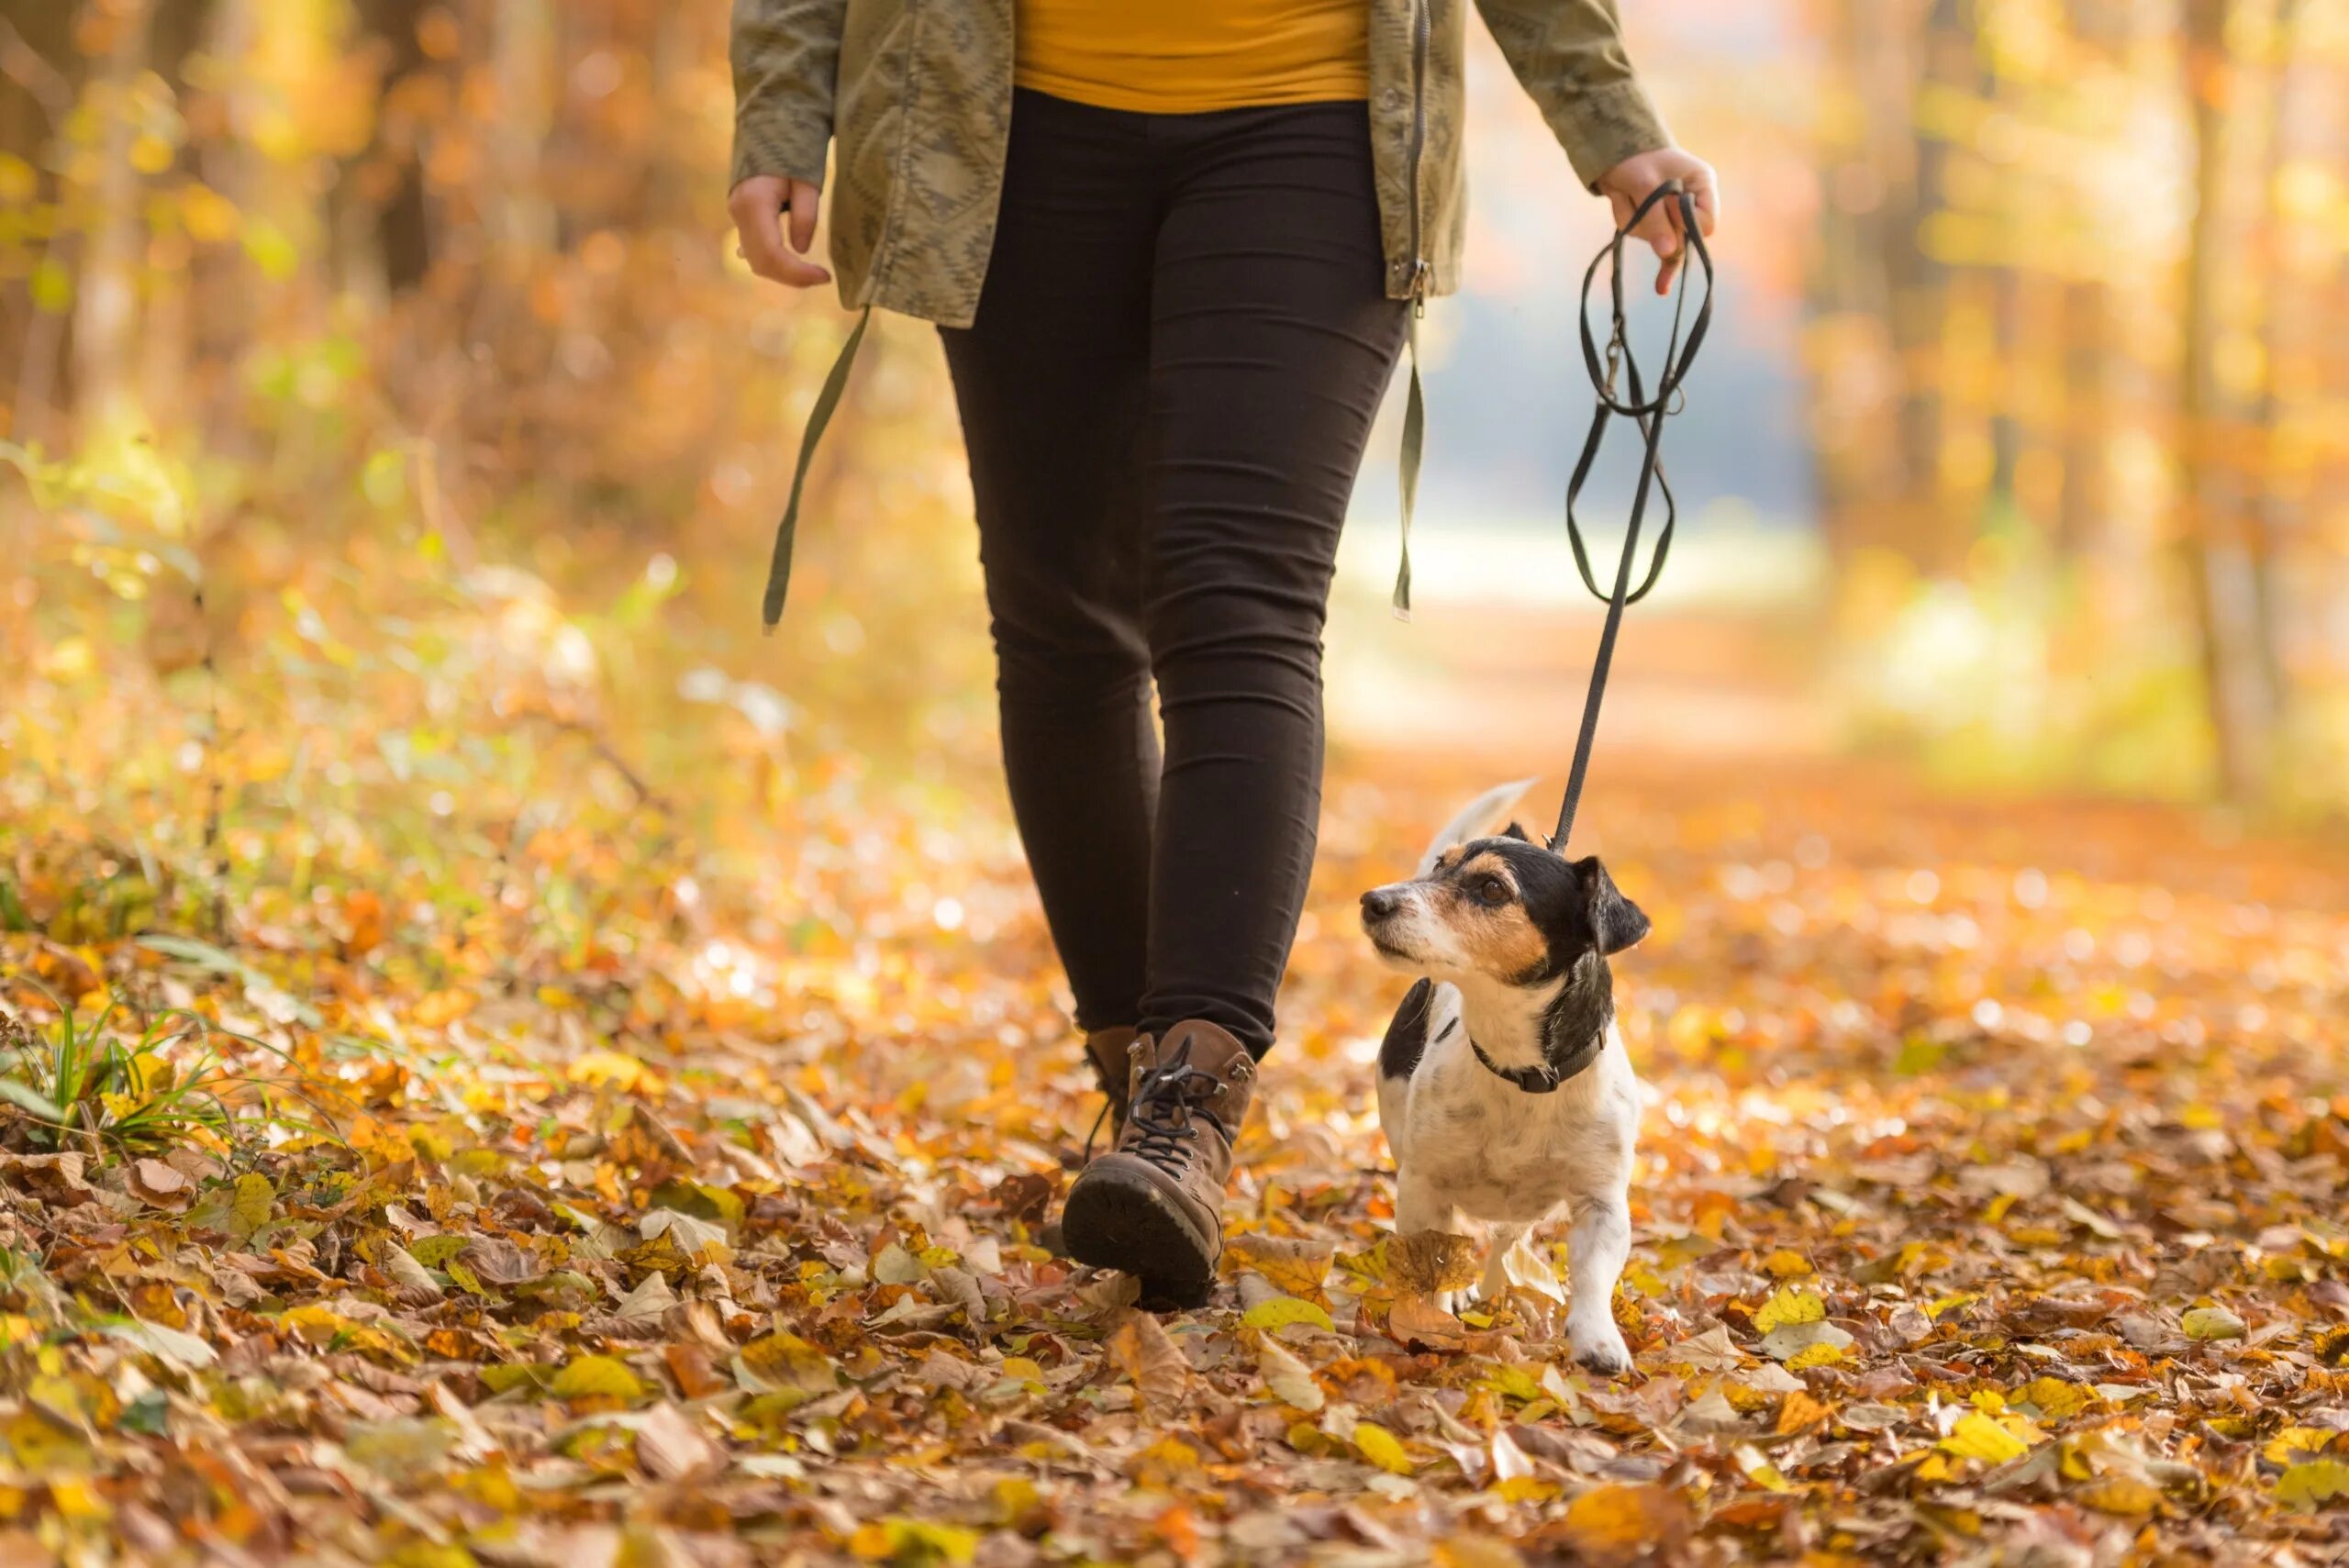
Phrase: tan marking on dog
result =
(1501, 941)
(1489, 865)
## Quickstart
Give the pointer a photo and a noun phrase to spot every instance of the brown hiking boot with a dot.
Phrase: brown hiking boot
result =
(1111, 1053)
(1154, 1205)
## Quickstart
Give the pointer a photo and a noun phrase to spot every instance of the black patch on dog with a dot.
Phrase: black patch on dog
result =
(1615, 921)
(1406, 1032)
(1584, 919)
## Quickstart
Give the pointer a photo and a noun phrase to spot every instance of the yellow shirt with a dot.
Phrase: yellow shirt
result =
(1176, 57)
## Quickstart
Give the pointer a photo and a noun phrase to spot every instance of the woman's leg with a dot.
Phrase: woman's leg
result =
(1271, 343)
(1051, 383)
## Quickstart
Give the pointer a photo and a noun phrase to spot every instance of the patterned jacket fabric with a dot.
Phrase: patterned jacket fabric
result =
(917, 95)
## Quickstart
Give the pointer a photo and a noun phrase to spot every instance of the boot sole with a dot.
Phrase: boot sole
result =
(1114, 1220)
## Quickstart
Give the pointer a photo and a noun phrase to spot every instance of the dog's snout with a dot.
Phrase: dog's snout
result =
(1380, 902)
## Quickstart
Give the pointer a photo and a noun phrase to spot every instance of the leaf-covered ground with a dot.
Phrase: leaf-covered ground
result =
(1989, 1209)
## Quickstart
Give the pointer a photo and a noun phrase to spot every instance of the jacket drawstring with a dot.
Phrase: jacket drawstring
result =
(819, 417)
(1415, 421)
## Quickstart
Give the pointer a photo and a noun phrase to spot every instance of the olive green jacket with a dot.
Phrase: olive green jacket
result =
(918, 95)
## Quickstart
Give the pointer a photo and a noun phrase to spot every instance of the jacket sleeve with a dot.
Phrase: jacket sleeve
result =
(787, 55)
(1570, 56)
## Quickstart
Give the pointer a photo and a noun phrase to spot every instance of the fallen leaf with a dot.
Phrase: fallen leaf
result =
(1429, 1262)
(1288, 1378)
(1151, 1362)
(1381, 1448)
(2313, 1484)
(671, 1446)
(1615, 1521)
(2211, 1323)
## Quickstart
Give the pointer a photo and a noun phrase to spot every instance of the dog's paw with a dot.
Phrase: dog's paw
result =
(1599, 1349)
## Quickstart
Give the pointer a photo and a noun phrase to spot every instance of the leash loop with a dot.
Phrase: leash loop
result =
(1647, 416)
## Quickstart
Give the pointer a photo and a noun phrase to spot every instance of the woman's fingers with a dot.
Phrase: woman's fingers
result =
(1661, 229)
(758, 205)
(1704, 189)
(803, 202)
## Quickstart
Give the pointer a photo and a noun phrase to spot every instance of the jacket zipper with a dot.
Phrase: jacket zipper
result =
(1422, 25)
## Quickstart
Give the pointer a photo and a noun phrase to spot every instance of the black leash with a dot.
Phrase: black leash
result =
(1648, 415)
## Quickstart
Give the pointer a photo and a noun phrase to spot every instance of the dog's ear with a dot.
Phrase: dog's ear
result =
(1517, 830)
(1473, 821)
(1615, 921)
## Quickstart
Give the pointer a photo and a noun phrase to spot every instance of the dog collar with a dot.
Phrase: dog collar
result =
(1532, 1080)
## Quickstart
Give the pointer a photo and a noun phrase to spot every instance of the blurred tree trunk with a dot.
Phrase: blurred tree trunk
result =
(1920, 295)
(2268, 520)
(2223, 607)
(40, 74)
(106, 298)
(392, 187)
(2085, 367)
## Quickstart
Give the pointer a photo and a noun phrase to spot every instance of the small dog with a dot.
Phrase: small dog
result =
(1503, 1084)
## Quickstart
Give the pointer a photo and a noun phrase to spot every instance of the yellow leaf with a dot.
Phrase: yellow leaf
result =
(1525, 1489)
(2294, 1444)
(2054, 1399)
(774, 1363)
(1994, 1439)
(1616, 1520)
(2121, 1494)
(2312, 1485)
(1790, 1305)
(1281, 1311)
(1824, 1353)
(612, 1068)
(596, 1378)
(1785, 1264)
(313, 1325)
(1379, 1446)
(252, 1205)
(913, 1544)
(2211, 1323)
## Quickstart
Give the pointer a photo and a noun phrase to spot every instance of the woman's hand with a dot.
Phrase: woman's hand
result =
(1629, 182)
(758, 205)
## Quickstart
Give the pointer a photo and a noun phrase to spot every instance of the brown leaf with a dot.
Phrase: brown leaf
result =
(52, 1178)
(1026, 1195)
(495, 1261)
(1417, 1321)
(1138, 1346)
(1294, 1265)
(672, 1446)
(1428, 1261)
(159, 1185)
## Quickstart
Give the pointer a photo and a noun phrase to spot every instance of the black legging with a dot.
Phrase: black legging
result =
(1177, 356)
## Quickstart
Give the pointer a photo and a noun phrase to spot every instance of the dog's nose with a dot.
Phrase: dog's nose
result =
(1379, 903)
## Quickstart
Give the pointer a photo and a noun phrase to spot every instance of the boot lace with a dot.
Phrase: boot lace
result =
(1168, 1106)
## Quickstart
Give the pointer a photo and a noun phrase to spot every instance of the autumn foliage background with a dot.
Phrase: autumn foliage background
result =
(505, 1064)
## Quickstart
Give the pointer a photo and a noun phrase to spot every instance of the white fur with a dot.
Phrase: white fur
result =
(1481, 816)
(1475, 1153)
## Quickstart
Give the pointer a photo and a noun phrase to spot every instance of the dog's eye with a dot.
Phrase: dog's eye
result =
(1491, 890)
